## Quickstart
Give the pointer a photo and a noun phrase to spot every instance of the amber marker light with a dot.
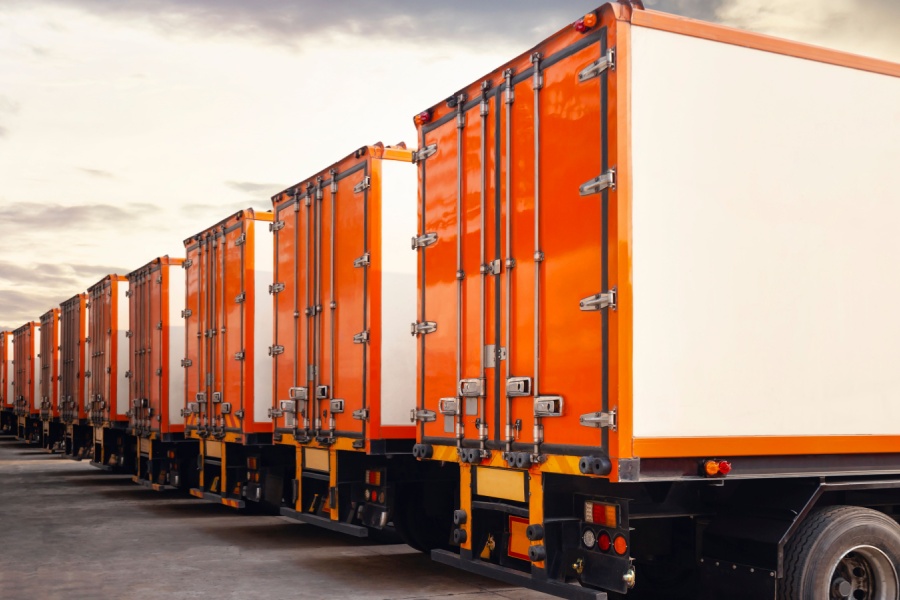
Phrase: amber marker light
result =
(711, 468)
(590, 20)
(620, 545)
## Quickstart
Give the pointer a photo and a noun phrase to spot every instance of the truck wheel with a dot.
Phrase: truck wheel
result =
(843, 552)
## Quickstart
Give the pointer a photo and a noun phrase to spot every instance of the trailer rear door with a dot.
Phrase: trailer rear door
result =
(514, 345)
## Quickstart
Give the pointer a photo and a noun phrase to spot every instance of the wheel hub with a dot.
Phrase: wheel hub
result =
(864, 573)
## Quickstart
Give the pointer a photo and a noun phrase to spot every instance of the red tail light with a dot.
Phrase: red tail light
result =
(601, 513)
(604, 542)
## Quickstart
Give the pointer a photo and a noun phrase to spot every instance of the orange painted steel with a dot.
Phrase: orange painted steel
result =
(223, 274)
(7, 394)
(49, 361)
(73, 360)
(328, 316)
(26, 371)
(107, 347)
(152, 333)
(482, 202)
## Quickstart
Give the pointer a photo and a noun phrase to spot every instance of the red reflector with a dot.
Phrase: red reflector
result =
(724, 467)
(604, 542)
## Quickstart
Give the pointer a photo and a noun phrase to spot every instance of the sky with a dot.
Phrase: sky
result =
(127, 126)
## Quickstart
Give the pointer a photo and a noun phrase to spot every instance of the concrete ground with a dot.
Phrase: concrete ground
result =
(70, 531)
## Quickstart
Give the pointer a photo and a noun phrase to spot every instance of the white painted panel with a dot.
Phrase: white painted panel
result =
(263, 328)
(766, 251)
(176, 343)
(122, 363)
(398, 292)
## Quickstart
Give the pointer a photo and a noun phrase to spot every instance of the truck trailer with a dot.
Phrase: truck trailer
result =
(228, 376)
(26, 341)
(107, 306)
(74, 384)
(52, 435)
(344, 362)
(656, 324)
(8, 423)
(165, 459)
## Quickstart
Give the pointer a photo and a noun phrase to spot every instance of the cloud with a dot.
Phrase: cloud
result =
(97, 173)
(29, 290)
(294, 23)
(56, 216)
(859, 26)
(8, 105)
(265, 190)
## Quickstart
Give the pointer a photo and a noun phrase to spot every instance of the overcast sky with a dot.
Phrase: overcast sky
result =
(127, 126)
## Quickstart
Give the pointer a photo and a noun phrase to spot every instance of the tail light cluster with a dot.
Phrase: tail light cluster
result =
(715, 467)
(601, 524)
(373, 492)
(585, 23)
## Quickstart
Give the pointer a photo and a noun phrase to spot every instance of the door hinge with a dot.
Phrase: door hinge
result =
(128, 293)
(596, 68)
(362, 261)
(361, 338)
(186, 362)
(423, 241)
(423, 153)
(426, 416)
(276, 225)
(599, 301)
(129, 333)
(599, 183)
(275, 350)
(361, 415)
(362, 185)
(240, 297)
(186, 313)
(239, 355)
(241, 240)
(276, 287)
(127, 374)
(423, 328)
(186, 264)
(599, 420)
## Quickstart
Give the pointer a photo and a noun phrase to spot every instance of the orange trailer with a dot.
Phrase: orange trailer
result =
(628, 338)
(156, 295)
(52, 437)
(74, 384)
(7, 393)
(228, 324)
(107, 370)
(344, 362)
(26, 341)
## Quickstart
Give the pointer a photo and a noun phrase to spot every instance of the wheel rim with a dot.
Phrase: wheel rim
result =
(864, 573)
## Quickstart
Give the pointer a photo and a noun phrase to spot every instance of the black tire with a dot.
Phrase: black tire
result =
(423, 529)
(857, 549)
